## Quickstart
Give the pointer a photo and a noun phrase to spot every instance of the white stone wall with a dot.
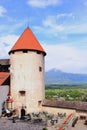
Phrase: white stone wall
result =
(3, 95)
(25, 75)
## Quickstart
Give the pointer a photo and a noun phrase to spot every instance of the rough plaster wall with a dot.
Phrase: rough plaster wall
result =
(3, 95)
(25, 75)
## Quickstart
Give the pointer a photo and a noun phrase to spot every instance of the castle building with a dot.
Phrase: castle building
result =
(22, 83)
(27, 86)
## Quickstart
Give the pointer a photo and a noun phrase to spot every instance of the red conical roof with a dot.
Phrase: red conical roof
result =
(27, 41)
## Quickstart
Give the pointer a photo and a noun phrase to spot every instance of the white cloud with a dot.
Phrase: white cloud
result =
(51, 25)
(12, 25)
(43, 3)
(6, 43)
(66, 15)
(66, 58)
(79, 28)
(85, 3)
(2, 11)
(53, 20)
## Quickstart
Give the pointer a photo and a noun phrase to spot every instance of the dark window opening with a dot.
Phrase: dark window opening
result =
(38, 52)
(23, 113)
(25, 51)
(4, 68)
(22, 93)
(12, 52)
(40, 68)
(39, 103)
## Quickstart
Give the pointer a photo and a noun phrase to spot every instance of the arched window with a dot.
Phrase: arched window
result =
(22, 113)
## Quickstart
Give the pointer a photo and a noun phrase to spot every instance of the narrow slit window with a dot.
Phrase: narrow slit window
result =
(40, 68)
(39, 103)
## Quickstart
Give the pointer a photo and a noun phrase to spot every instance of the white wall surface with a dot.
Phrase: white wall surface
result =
(25, 75)
(3, 95)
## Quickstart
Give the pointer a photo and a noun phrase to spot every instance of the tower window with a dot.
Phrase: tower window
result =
(38, 52)
(25, 51)
(12, 52)
(40, 68)
(22, 93)
(39, 103)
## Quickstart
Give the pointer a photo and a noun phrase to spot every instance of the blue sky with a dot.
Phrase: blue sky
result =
(59, 25)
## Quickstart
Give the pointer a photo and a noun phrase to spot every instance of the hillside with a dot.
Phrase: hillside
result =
(55, 76)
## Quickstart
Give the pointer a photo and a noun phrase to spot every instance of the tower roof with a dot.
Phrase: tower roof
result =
(27, 41)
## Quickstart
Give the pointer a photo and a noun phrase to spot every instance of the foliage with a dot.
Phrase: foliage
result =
(69, 93)
(45, 129)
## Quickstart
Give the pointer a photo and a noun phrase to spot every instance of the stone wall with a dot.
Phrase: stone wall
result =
(54, 110)
(27, 75)
(4, 89)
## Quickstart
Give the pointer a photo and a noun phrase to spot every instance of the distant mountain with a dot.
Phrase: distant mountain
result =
(55, 76)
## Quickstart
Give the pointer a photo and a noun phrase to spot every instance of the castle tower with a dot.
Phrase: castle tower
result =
(27, 73)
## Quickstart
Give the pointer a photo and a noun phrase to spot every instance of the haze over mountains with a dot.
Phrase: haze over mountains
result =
(55, 76)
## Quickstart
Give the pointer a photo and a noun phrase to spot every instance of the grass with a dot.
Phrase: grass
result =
(68, 93)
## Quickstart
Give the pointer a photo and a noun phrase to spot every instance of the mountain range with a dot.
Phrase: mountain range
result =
(55, 76)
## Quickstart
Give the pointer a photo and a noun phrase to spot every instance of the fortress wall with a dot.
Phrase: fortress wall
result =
(54, 110)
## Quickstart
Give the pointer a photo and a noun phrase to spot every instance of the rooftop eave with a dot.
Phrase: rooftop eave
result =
(12, 51)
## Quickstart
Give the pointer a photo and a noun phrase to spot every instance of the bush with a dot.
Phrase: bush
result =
(45, 129)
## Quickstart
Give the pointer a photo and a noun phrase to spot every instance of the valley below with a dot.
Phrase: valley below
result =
(66, 92)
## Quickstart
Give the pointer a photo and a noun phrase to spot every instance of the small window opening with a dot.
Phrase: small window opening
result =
(22, 92)
(38, 52)
(40, 68)
(25, 51)
(12, 52)
(39, 103)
